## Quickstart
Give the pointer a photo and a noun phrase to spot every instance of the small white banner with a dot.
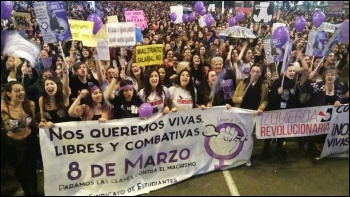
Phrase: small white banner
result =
(121, 34)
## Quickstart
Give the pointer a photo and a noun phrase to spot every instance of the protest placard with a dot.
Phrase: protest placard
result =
(335, 8)
(275, 25)
(102, 50)
(267, 48)
(327, 27)
(81, 30)
(178, 10)
(121, 34)
(101, 34)
(149, 55)
(21, 19)
(53, 22)
(113, 19)
(136, 17)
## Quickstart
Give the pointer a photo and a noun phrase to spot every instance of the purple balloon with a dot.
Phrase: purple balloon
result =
(203, 12)
(239, 16)
(209, 21)
(318, 18)
(97, 22)
(6, 9)
(173, 16)
(145, 110)
(192, 16)
(198, 6)
(300, 24)
(184, 18)
(281, 34)
(231, 21)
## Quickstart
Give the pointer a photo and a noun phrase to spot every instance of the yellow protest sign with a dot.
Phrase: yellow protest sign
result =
(101, 34)
(149, 55)
(112, 19)
(21, 19)
(81, 30)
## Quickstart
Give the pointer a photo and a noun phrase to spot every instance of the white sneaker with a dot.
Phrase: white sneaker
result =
(248, 163)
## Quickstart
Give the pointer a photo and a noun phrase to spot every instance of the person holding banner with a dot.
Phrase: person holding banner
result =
(18, 114)
(35, 91)
(205, 87)
(282, 95)
(94, 108)
(251, 93)
(224, 87)
(126, 103)
(155, 93)
(54, 102)
(325, 92)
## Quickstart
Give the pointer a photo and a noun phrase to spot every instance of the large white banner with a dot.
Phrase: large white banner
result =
(333, 121)
(133, 156)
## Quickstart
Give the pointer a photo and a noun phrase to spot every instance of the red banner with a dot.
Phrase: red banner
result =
(245, 10)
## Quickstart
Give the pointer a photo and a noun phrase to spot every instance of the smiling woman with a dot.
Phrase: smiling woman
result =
(17, 112)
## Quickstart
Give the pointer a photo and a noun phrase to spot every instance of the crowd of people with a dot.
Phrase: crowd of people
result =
(79, 87)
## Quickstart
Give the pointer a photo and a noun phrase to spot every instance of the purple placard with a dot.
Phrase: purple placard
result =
(335, 8)
(47, 62)
(58, 20)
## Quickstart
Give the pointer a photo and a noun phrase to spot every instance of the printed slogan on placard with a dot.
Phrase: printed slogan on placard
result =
(149, 55)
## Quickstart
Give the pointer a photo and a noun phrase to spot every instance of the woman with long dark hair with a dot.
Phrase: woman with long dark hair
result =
(55, 101)
(18, 114)
(126, 103)
(154, 92)
(94, 108)
(205, 89)
(183, 95)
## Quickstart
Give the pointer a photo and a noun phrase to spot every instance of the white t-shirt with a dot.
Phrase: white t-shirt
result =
(243, 69)
(155, 100)
(180, 98)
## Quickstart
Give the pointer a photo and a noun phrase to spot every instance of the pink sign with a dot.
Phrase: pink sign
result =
(137, 17)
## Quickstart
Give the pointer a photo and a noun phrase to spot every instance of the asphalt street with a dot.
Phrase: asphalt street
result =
(298, 176)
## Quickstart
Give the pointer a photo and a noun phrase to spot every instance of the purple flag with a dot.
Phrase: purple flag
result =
(47, 62)
(330, 44)
(53, 21)
(344, 28)
(286, 57)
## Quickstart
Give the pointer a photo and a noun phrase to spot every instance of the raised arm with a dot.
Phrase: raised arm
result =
(65, 82)
(100, 76)
(110, 89)
(77, 110)
(239, 58)
(304, 66)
